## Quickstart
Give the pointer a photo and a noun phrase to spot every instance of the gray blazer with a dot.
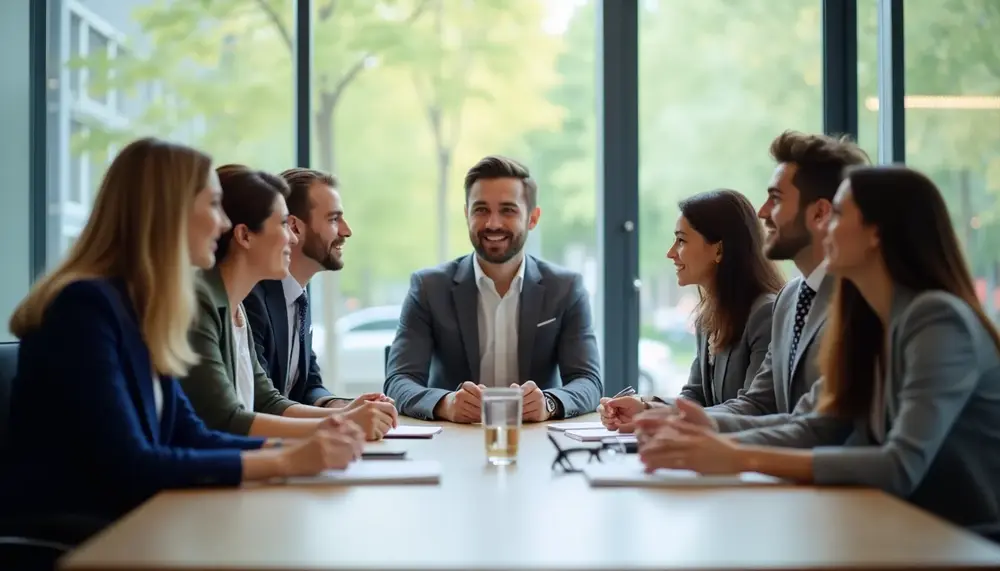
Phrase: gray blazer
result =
(941, 414)
(736, 365)
(436, 347)
(775, 390)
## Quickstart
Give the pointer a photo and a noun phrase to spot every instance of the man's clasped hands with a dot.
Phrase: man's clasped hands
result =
(680, 436)
(465, 404)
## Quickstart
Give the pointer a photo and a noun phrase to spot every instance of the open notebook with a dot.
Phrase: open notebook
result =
(628, 472)
(375, 472)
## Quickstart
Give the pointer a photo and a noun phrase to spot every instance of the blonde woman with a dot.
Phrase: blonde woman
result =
(98, 421)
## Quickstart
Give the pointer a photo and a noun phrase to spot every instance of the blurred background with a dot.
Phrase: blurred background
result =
(408, 94)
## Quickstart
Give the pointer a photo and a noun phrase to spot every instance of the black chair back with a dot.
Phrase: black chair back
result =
(8, 370)
(385, 360)
(989, 531)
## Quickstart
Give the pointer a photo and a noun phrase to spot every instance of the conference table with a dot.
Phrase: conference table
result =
(525, 517)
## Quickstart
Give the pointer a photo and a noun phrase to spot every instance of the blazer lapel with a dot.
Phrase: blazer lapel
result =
(228, 348)
(217, 289)
(814, 321)
(702, 352)
(779, 360)
(465, 296)
(277, 311)
(901, 299)
(529, 316)
(141, 368)
(719, 374)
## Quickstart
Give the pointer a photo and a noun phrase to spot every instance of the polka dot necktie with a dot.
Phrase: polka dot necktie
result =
(806, 295)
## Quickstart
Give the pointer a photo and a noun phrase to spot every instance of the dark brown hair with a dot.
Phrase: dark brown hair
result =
(921, 253)
(820, 161)
(247, 198)
(496, 166)
(299, 181)
(743, 273)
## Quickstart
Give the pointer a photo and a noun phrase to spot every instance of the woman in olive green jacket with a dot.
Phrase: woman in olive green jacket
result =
(228, 388)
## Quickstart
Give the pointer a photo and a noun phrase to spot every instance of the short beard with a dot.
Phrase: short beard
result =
(516, 245)
(313, 248)
(792, 239)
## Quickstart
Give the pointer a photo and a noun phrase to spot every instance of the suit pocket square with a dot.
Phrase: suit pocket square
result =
(546, 322)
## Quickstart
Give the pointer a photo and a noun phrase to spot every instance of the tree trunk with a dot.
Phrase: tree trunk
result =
(443, 168)
(332, 376)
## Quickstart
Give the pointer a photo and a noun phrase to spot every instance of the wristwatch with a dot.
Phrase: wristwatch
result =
(551, 405)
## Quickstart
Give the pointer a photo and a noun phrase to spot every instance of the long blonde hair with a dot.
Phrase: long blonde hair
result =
(138, 232)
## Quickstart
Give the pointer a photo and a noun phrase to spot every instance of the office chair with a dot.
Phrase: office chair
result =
(30, 543)
(385, 361)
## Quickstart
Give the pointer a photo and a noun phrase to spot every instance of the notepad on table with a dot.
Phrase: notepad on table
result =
(564, 426)
(375, 472)
(629, 472)
(412, 431)
(592, 434)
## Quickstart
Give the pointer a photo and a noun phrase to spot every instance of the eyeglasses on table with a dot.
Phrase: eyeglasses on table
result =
(609, 448)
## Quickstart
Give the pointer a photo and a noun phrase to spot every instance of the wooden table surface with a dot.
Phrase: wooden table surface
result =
(526, 517)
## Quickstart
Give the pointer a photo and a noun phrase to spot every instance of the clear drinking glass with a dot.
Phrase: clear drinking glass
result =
(501, 412)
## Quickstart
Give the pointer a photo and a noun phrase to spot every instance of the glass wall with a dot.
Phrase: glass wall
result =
(868, 77)
(407, 97)
(718, 81)
(216, 75)
(15, 156)
(953, 121)
(408, 94)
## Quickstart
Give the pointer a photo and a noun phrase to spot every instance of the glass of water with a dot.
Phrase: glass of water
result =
(501, 412)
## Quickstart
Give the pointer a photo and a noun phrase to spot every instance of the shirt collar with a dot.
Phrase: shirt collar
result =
(292, 290)
(815, 279)
(480, 274)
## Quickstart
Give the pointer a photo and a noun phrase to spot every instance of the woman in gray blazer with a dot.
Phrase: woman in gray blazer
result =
(911, 367)
(718, 247)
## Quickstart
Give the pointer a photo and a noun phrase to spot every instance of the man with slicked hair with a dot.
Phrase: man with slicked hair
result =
(496, 317)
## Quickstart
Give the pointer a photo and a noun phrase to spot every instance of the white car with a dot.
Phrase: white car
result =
(364, 335)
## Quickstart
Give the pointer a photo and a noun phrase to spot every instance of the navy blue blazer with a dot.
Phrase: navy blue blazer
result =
(84, 437)
(268, 315)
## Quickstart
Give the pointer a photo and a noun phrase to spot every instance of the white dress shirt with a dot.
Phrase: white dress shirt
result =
(293, 289)
(158, 396)
(815, 279)
(244, 363)
(498, 329)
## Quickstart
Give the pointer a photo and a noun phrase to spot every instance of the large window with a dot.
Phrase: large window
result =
(407, 97)
(868, 77)
(953, 122)
(718, 81)
(216, 75)
(408, 94)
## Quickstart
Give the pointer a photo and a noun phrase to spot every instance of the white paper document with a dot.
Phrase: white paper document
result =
(592, 434)
(375, 472)
(412, 431)
(628, 472)
(563, 426)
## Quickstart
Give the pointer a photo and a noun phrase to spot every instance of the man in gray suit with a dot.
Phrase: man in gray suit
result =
(798, 206)
(495, 318)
